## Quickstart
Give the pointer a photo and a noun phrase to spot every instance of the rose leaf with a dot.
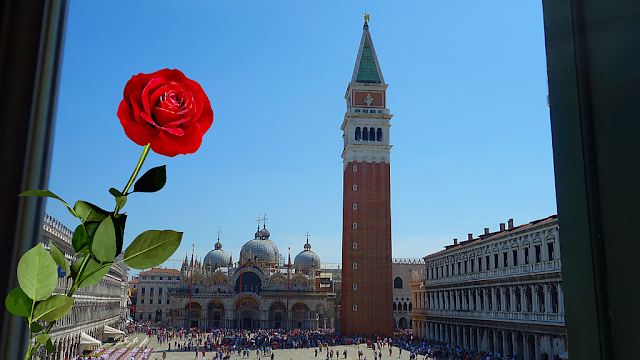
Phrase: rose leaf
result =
(152, 181)
(152, 248)
(37, 273)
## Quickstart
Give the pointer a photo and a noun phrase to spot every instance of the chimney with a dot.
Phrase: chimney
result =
(510, 224)
(455, 241)
(486, 231)
(470, 238)
(501, 226)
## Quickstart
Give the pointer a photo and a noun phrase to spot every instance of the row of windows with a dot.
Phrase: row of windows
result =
(368, 134)
(498, 300)
(151, 301)
(468, 266)
(366, 111)
(153, 278)
(151, 291)
(402, 307)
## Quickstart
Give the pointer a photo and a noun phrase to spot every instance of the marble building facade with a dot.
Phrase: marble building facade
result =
(105, 303)
(260, 291)
(500, 292)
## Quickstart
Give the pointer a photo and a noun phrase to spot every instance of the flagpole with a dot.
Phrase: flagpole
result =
(240, 291)
(191, 288)
(288, 271)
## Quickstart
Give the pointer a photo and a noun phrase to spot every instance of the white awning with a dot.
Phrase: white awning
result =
(88, 340)
(108, 330)
(564, 355)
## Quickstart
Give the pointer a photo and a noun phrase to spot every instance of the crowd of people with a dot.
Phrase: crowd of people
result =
(222, 343)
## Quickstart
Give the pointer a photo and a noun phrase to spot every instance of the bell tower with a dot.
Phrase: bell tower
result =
(367, 293)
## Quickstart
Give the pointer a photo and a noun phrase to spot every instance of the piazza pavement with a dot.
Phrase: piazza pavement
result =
(279, 354)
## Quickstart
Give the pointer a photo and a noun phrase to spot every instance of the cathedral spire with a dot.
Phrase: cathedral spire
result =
(367, 69)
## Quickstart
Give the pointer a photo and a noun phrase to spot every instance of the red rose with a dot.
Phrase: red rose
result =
(167, 110)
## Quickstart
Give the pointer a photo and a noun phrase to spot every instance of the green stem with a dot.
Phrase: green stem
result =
(73, 289)
(133, 177)
(145, 151)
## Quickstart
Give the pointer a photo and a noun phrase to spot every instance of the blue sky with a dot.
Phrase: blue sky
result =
(467, 87)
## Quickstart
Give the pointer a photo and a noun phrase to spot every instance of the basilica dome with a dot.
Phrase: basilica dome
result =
(216, 258)
(261, 247)
(305, 259)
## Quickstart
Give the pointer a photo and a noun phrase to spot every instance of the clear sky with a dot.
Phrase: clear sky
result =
(471, 133)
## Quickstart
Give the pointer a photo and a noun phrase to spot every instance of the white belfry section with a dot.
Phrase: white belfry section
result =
(366, 109)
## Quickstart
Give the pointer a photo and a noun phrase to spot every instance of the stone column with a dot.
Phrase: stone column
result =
(493, 298)
(560, 299)
(547, 298)
(505, 347)
(478, 340)
(465, 345)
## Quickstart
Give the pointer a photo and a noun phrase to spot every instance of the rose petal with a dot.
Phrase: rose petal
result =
(165, 118)
(206, 119)
(141, 117)
(132, 129)
(151, 86)
(138, 82)
(171, 145)
(176, 75)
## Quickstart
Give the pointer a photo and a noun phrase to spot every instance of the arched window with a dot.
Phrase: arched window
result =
(397, 283)
(372, 134)
(379, 137)
(365, 134)
(404, 307)
(358, 136)
(410, 307)
(395, 307)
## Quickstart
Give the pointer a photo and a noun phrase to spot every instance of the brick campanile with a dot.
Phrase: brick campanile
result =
(367, 293)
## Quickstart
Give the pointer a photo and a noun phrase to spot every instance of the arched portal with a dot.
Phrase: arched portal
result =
(300, 314)
(215, 309)
(276, 315)
(246, 320)
(194, 314)
(402, 323)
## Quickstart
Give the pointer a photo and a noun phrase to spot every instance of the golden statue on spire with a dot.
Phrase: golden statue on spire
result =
(366, 17)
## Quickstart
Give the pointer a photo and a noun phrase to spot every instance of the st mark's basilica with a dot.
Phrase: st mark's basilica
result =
(260, 291)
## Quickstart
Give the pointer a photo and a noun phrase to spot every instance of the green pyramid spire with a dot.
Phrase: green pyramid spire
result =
(367, 68)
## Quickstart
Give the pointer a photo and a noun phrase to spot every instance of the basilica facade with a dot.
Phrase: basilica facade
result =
(260, 291)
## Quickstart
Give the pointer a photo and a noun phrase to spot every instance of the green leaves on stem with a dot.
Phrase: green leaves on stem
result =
(37, 273)
(59, 258)
(18, 303)
(152, 181)
(45, 340)
(34, 327)
(152, 248)
(47, 193)
(120, 198)
(93, 271)
(99, 239)
(89, 212)
(103, 246)
(53, 308)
